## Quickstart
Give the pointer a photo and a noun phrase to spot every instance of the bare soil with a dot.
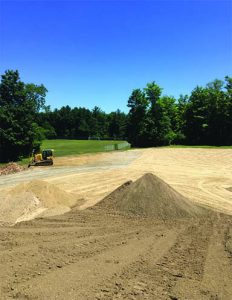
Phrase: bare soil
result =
(11, 168)
(106, 252)
(202, 175)
(95, 254)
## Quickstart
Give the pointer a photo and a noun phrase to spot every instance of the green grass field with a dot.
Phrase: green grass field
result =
(74, 147)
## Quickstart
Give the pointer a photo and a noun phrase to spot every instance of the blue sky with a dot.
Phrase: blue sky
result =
(91, 53)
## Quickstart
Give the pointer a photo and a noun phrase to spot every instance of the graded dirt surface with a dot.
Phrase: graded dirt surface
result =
(95, 254)
(202, 175)
(103, 252)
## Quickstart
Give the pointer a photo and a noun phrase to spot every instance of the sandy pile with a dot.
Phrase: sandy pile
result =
(36, 198)
(11, 168)
(150, 196)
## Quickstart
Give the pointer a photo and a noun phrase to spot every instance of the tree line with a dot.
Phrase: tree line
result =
(82, 123)
(202, 118)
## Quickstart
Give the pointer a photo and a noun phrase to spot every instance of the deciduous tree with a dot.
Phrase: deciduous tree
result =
(19, 104)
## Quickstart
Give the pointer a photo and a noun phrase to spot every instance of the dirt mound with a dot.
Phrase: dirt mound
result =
(11, 168)
(229, 189)
(150, 196)
(48, 194)
(29, 200)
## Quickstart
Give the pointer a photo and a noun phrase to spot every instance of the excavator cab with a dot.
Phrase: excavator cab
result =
(47, 154)
(45, 158)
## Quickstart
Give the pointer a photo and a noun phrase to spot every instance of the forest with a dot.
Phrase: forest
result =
(204, 117)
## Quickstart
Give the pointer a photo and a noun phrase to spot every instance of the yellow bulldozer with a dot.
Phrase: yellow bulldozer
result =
(44, 158)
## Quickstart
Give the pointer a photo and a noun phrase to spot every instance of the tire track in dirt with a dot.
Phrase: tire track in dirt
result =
(225, 204)
(153, 278)
(97, 269)
(206, 272)
(132, 258)
(59, 247)
(132, 282)
(218, 267)
(179, 274)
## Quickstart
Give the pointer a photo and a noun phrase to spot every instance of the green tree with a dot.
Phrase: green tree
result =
(208, 114)
(19, 104)
(160, 117)
(137, 118)
(228, 116)
(152, 118)
(180, 121)
(167, 120)
(197, 116)
(99, 123)
(117, 124)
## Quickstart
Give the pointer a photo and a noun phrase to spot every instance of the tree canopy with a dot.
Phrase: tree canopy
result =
(19, 105)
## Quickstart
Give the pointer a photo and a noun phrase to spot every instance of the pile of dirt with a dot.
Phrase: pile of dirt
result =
(11, 168)
(150, 196)
(36, 198)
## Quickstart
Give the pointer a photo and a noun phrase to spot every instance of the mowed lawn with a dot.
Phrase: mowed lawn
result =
(73, 147)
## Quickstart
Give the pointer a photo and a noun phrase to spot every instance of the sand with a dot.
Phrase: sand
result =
(34, 199)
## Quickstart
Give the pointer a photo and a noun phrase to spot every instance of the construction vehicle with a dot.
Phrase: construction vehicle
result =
(45, 158)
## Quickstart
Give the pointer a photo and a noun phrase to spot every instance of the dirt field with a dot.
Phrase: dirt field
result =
(99, 253)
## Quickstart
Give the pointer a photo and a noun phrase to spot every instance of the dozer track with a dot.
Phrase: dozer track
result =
(41, 163)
